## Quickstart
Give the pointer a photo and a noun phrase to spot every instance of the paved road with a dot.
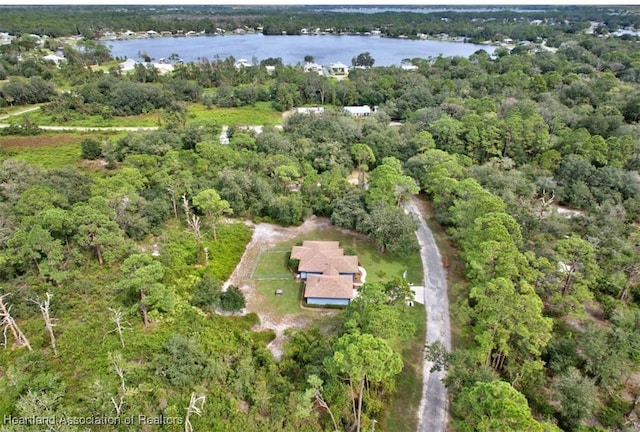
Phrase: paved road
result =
(433, 414)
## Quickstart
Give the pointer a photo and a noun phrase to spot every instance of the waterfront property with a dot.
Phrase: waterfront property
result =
(328, 273)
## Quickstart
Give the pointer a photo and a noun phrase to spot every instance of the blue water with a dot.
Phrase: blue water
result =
(325, 49)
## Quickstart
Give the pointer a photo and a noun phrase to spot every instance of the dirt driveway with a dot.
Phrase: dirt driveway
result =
(265, 236)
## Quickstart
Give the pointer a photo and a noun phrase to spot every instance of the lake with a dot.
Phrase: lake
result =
(325, 49)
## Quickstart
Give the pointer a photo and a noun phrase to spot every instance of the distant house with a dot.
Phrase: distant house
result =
(310, 110)
(359, 111)
(328, 273)
(408, 67)
(339, 69)
(128, 65)
(55, 58)
(313, 67)
(242, 63)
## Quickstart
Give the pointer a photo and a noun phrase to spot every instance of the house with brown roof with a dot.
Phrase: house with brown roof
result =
(328, 273)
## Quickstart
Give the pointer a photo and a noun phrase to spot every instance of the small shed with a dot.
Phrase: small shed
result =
(279, 292)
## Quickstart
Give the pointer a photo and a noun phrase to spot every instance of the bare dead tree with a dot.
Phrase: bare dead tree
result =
(195, 407)
(7, 321)
(143, 308)
(116, 360)
(48, 321)
(120, 325)
(545, 202)
(186, 208)
(192, 220)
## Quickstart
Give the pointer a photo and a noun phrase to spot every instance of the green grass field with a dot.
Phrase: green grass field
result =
(51, 149)
(43, 119)
(286, 304)
(260, 113)
(272, 264)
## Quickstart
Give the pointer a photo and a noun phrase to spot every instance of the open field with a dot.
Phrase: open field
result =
(272, 264)
(51, 149)
(43, 119)
(260, 113)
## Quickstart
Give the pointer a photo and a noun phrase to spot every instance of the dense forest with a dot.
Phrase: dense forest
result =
(529, 161)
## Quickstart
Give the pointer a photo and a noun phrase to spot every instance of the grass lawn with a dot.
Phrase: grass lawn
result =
(286, 304)
(272, 264)
(260, 113)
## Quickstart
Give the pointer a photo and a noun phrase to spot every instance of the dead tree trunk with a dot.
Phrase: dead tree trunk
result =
(143, 308)
(117, 320)
(192, 220)
(7, 321)
(193, 408)
(116, 360)
(48, 321)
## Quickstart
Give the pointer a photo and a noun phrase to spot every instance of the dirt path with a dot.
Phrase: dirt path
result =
(433, 412)
(264, 236)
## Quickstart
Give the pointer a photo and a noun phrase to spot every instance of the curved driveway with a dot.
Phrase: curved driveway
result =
(433, 414)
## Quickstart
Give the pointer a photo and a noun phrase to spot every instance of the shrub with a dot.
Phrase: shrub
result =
(91, 149)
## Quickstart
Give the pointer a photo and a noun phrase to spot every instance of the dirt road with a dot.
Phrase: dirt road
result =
(433, 412)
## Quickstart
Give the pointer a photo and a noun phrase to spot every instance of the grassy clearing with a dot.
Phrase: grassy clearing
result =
(47, 150)
(260, 113)
(401, 415)
(272, 265)
(50, 150)
(286, 304)
(43, 119)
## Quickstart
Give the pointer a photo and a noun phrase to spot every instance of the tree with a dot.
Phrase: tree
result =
(577, 396)
(196, 404)
(363, 59)
(315, 394)
(232, 299)
(361, 359)
(577, 268)
(363, 156)
(388, 185)
(44, 307)
(95, 230)
(117, 319)
(391, 229)
(493, 406)
(509, 326)
(9, 323)
(142, 274)
(213, 206)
